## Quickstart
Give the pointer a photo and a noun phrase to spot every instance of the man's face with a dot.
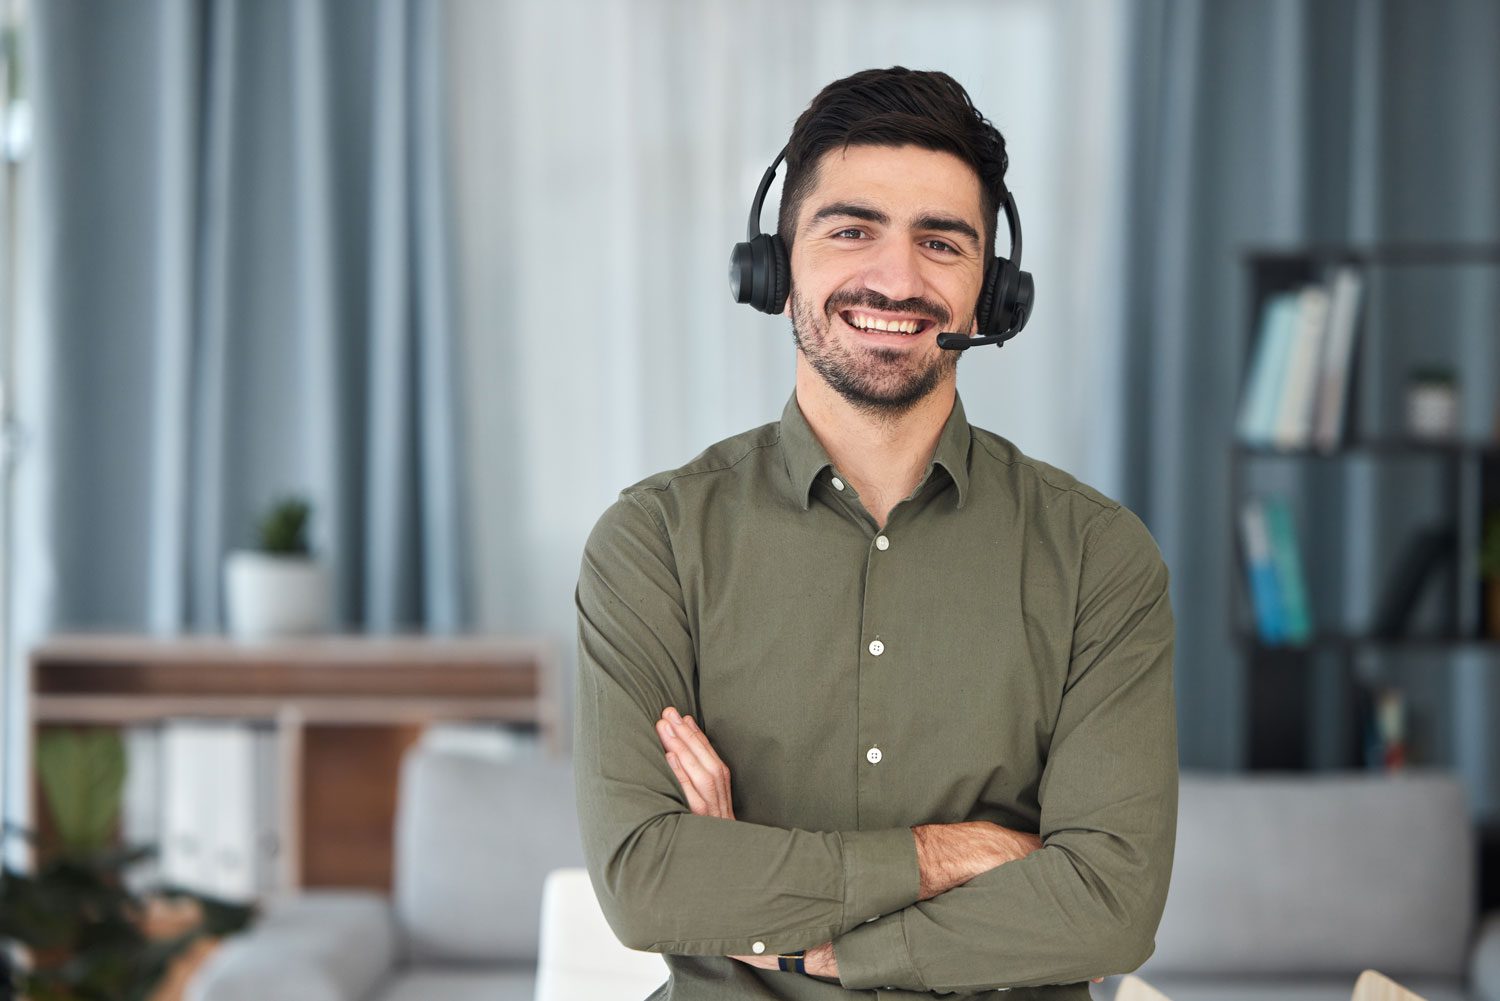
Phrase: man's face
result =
(889, 234)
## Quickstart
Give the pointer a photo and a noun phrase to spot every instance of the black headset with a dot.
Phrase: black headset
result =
(760, 273)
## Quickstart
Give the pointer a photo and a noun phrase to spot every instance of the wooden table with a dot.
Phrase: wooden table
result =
(344, 708)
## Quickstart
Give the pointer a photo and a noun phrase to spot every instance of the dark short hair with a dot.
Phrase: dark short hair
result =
(894, 107)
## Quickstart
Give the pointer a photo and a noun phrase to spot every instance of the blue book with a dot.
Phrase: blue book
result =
(1287, 560)
(1257, 372)
(1264, 593)
(1284, 321)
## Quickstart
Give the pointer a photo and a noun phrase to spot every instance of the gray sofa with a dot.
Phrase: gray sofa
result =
(1283, 886)
(1288, 886)
(475, 839)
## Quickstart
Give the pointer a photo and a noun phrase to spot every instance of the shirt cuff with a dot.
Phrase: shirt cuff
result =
(875, 955)
(880, 872)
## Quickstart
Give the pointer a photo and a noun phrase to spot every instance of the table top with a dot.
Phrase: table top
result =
(331, 648)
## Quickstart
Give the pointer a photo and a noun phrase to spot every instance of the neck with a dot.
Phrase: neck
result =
(882, 455)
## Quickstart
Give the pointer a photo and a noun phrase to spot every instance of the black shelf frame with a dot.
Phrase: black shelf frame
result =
(1279, 676)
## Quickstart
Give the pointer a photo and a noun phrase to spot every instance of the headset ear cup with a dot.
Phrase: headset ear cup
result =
(781, 271)
(987, 297)
(768, 273)
(1004, 304)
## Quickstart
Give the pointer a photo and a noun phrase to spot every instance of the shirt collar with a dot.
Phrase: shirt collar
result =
(806, 458)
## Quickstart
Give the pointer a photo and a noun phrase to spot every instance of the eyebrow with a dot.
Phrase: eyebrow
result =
(936, 223)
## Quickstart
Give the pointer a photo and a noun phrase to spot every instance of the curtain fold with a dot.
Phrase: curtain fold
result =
(239, 224)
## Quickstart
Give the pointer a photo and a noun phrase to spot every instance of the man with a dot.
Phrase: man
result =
(867, 683)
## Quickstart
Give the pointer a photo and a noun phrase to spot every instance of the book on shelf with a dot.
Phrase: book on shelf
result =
(1423, 564)
(1278, 588)
(1296, 393)
(218, 819)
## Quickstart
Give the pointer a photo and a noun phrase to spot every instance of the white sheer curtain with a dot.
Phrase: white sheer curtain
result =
(605, 154)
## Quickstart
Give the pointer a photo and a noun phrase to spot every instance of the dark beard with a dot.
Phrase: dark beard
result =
(843, 372)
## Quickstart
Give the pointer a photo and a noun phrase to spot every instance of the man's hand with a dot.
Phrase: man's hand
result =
(703, 776)
(947, 854)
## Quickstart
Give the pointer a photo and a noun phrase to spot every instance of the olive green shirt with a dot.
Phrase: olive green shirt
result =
(1000, 651)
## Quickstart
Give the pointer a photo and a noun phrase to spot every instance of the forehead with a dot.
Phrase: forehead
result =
(904, 180)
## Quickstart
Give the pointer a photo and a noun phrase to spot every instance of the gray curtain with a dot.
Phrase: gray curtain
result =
(237, 287)
(242, 291)
(1306, 121)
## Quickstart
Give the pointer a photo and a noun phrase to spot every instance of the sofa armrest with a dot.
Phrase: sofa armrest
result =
(323, 945)
(1484, 961)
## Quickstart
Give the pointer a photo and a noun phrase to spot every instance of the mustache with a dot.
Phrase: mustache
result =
(868, 299)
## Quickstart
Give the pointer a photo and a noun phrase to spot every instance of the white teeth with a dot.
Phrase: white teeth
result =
(877, 323)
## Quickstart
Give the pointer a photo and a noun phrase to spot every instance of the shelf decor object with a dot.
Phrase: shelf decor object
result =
(1432, 404)
(278, 588)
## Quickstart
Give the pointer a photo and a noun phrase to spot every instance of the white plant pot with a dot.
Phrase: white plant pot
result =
(268, 594)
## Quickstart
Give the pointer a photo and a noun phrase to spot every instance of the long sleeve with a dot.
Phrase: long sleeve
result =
(1088, 903)
(670, 881)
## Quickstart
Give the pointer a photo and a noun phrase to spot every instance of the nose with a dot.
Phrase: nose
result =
(895, 271)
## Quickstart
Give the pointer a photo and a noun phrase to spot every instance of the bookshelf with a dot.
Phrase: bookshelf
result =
(339, 711)
(1310, 682)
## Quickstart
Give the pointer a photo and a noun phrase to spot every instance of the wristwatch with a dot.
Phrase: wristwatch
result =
(792, 960)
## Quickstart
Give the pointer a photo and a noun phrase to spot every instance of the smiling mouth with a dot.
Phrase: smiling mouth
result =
(907, 326)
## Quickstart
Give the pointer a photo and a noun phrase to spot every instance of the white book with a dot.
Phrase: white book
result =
(1343, 321)
(140, 801)
(209, 804)
(1295, 414)
(184, 835)
(231, 819)
(267, 867)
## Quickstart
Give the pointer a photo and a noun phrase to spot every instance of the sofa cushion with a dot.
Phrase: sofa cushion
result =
(1199, 988)
(1319, 873)
(475, 838)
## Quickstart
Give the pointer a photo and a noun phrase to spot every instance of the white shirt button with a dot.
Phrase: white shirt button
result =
(873, 755)
(877, 648)
(882, 543)
(838, 484)
(758, 948)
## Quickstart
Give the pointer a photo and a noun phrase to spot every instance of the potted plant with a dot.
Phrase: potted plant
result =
(278, 588)
(85, 934)
(1489, 569)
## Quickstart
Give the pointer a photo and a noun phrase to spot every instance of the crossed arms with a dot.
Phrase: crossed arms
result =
(947, 854)
(1083, 902)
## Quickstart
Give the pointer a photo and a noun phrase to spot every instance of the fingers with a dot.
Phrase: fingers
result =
(696, 802)
(696, 743)
(695, 764)
(709, 773)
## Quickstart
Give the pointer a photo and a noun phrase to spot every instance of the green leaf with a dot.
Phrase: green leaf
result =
(82, 773)
(284, 528)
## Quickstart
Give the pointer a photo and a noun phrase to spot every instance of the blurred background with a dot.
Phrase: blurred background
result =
(417, 287)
